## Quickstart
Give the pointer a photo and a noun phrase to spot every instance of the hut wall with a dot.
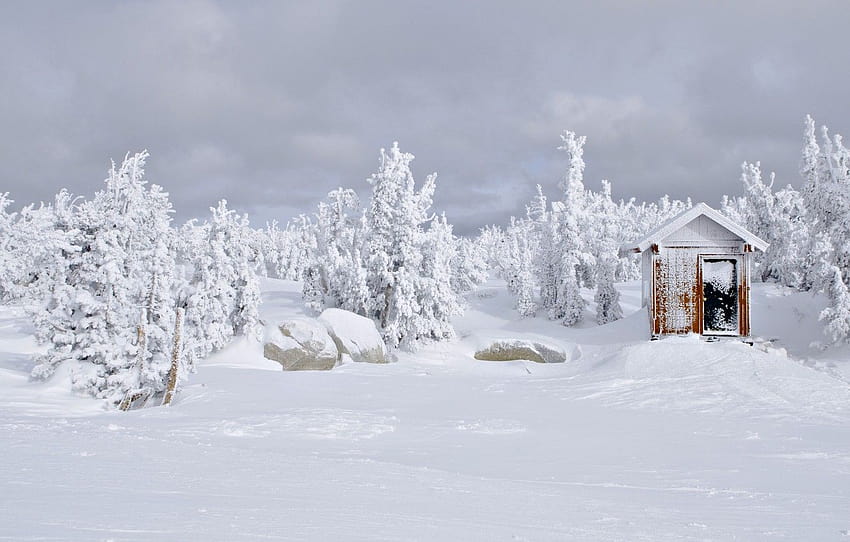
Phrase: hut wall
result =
(675, 304)
(646, 277)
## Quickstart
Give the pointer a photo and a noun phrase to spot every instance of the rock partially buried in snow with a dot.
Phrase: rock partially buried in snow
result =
(355, 335)
(517, 349)
(301, 345)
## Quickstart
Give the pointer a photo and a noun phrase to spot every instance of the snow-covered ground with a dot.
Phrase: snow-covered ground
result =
(676, 439)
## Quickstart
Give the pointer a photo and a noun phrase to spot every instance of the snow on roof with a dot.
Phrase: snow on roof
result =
(674, 224)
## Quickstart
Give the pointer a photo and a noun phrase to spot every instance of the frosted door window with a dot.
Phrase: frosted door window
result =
(720, 296)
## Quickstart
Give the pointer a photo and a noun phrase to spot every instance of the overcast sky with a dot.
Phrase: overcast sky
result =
(273, 104)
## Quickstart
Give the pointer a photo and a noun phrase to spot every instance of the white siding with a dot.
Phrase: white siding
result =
(702, 231)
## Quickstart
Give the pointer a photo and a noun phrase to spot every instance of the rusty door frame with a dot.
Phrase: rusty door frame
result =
(741, 282)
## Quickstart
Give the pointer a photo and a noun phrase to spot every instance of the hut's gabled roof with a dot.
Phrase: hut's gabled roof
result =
(676, 223)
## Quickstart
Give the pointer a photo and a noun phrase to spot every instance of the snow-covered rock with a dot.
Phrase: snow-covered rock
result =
(355, 335)
(514, 349)
(300, 345)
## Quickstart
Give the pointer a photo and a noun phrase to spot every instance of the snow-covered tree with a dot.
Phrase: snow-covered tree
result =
(9, 263)
(568, 304)
(491, 239)
(565, 262)
(602, 243)
(826, 196)
(778, 218)
(115, 276)
(222, 293)
(515, 264)
(438, 299)
(394, 262)
(42, 241)
(30, 241)
(468, 265)
(393, 258)
(607, 297)
(287, 252)
(837, 314)
(335, 276)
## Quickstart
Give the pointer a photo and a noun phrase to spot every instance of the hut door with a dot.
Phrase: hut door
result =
(720, 296)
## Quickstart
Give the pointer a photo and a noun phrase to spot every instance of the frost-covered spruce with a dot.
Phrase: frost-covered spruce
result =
(607, 297)
(491, 240)
(569, 304)
(574, 263)
(837, 315)
(116, 275)
(604, 251)
(777, 217)
(8, 258)
(827, 195)
(438, 298)
(222, 291)
(544, 227)
(289, 250)
(468, 265)
(394, 258)
(116, 263)
(525, 303)
(31, 245)
(335, 276)
(509, 254)
(515, 264)
(563, 261)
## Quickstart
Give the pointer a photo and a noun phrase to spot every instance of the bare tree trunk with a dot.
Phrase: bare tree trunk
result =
(142, 344)
(171, 386)
(152, 298)
(387, 293)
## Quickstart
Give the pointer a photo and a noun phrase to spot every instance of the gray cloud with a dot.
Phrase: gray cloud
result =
(273, 104)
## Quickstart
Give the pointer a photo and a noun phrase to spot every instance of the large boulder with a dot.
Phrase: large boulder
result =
(355, 335)
(517, 349)
(301, 345)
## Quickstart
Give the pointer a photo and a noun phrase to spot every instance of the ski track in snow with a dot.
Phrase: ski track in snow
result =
(633, 440)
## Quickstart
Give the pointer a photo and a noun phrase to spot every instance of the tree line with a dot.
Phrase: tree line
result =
(127, 302)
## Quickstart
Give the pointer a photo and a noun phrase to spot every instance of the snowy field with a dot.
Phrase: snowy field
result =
(631, 440)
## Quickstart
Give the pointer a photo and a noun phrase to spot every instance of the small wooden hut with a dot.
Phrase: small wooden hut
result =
(696, 274)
